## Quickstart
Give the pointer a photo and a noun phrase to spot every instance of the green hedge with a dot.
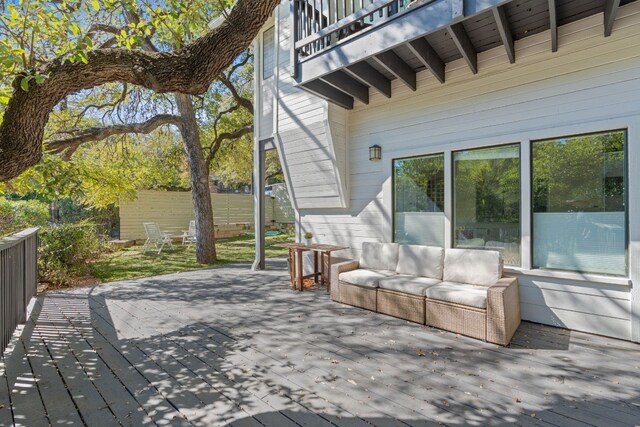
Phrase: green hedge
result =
(16, 215)
(66, 250)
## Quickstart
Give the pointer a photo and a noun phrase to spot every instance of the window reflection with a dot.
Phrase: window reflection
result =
(486, 200)
(419, 200)
(579, 213)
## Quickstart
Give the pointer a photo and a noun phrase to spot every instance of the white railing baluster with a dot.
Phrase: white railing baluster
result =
(321, 25)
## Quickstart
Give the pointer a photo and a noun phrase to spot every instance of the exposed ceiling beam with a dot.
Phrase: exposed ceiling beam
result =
(464, 45)
(553, 25)
(500, 15)
(370, 76)
(428, 56)
(396, 66)
(610, 11)
(348, 84)
(330, 93)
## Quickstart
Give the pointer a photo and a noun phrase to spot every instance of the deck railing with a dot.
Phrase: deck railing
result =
(18, 280)
(320, 24)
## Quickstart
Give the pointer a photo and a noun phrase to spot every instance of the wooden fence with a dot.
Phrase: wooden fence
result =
(18, 280)
(173, 210)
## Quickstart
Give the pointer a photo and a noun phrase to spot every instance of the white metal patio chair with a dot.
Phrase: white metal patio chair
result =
(156, 239)
(189, 236)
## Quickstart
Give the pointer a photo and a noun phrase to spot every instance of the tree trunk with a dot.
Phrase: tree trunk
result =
(199, 172)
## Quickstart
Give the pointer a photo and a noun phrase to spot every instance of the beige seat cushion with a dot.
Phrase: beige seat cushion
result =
(474, 267)
(364, 277)
(379, 256)
(408, 284)
(459, 293)
(423, 261)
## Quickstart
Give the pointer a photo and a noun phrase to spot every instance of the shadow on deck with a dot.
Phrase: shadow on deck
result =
(229, 346)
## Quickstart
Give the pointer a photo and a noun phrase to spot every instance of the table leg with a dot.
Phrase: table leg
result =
(300, 271)
(329, 268)
(322, 273)
(315, 267)
(292, 268)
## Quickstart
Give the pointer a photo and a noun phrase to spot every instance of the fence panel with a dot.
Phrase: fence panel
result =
(18, 280)
(173, 210)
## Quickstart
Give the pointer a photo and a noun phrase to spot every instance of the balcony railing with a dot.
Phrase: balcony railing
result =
(321, 24)
(18, 280)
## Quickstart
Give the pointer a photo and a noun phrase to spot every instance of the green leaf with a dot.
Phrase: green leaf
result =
(83, 57)
(96, 5)
(40, 79)
(24, 83)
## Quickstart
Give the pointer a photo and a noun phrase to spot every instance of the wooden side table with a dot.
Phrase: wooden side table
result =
(321, 263)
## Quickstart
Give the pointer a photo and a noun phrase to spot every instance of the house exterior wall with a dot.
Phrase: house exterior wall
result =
(591, 84)
(309, 135)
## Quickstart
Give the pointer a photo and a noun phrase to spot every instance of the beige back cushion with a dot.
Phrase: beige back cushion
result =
(379, 256)
(474, 267)
(423, 261)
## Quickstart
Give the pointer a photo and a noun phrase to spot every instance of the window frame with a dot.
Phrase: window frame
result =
(527, 231)
(452, 227)
(393, 188)
(625, 131)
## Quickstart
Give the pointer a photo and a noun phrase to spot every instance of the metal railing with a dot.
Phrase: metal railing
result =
(18, 280)
(320, 24)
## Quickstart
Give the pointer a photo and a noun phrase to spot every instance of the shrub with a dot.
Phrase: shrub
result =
(16, 215)
(66, 250)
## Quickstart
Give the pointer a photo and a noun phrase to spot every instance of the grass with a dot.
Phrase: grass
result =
(133, 263)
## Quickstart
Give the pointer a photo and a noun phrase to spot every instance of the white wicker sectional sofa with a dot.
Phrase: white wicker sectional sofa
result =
(460, 290)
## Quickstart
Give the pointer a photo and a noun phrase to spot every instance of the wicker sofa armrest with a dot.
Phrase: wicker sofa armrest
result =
(336, 269)
(503, 310)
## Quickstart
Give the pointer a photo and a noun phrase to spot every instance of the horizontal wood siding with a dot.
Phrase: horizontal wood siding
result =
(590, 80)
(173, 211)
(312, 137)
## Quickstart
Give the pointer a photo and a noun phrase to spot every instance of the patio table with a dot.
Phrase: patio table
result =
(320, 254)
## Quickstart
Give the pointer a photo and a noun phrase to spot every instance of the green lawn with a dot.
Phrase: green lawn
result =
(131, 263)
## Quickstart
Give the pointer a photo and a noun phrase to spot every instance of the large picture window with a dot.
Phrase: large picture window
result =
(419, 200)
(486, 200)
(579, 209)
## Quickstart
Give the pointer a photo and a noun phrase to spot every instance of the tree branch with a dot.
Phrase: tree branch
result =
(98, 134)
(189, 70)
(121, 99)
(242, 101)
(224, 136)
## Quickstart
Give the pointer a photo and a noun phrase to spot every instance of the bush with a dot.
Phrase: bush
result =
(16, 215)
(66, 250)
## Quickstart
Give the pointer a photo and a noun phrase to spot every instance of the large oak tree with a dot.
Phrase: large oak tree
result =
(185, 71)
(188, 70)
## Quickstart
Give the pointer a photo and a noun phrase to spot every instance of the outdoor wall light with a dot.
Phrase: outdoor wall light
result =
(375, 152)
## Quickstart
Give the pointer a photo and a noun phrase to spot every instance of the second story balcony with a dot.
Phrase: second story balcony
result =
(344, 48)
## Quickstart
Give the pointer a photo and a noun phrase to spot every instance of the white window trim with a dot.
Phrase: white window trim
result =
(525, 138)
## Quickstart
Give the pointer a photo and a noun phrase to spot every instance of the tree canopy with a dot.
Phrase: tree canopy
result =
(51, 51)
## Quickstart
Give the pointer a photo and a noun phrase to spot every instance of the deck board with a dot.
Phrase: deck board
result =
(6, 416)
(232, 347)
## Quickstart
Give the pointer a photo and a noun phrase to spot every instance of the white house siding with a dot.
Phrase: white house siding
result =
(310, 135)
(591, 84)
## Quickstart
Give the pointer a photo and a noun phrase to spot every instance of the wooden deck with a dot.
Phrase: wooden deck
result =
(233, 347)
